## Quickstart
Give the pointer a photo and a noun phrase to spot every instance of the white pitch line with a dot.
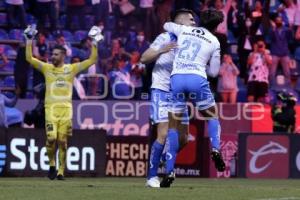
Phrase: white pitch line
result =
(282, 198)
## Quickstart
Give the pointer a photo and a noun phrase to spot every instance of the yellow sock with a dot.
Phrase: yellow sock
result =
(51, 153)
(62, 158)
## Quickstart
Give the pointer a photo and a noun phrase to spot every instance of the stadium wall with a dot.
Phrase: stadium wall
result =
(127, 125)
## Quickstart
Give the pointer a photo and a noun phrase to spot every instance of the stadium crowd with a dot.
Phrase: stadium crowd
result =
(260, 42)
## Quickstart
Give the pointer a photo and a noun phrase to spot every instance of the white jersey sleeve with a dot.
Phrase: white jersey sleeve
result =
(215, 61)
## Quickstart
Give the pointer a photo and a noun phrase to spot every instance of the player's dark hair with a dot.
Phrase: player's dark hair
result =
(211, 18)
(61, 48)
(175, 13)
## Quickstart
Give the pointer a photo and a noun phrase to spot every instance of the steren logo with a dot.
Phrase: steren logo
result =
(271, 148)
(76, 159)
(2, 157)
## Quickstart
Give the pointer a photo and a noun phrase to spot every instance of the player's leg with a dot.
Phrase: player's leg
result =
(205, 103)
(183, 129)
(171, 148)
(214, 131)
(51, 131)
(178, 106)
(159, 116)
(64, 130)
(62, 147)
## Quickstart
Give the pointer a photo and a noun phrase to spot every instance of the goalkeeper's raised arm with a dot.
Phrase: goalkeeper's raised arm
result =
(29, 34)
(95, 34)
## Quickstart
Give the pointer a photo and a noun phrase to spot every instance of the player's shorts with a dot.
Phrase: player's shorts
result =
(58, 122)
(190, 87)
(160, 106)
(257, 89)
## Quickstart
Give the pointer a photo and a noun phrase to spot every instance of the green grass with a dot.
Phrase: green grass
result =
(133, 188)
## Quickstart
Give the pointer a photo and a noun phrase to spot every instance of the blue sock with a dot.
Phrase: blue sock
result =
(156, 151)
(172, 145)
(163, 157)
(214, 131)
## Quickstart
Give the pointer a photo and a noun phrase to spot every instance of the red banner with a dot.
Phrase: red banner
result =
(229, 149)
(267, 156)
(262, 121)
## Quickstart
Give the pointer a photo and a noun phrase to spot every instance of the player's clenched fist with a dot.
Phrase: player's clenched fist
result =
(95, 34)
(30, 32)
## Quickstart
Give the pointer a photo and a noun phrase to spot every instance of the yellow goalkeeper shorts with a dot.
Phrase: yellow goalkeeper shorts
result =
(58, 122)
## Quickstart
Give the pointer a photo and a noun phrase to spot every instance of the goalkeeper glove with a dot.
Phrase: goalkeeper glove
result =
(30, 32)
(95, 34)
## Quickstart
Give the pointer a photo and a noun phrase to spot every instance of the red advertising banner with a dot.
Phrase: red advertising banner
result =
(262, 121)
(188, 155)
(229, 149)
(267, 156)
(127, 156)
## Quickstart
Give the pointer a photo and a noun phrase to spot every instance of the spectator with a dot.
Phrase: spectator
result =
(100, 10)
(136, 72)
(149, 19)
(259, 18)
(297, 35)
(78, 90)
(297, 23)
(163, 12)
(288, 9)
(119, 79)
(88, 75)
(21, 72)
(46, 9)
(75, 8)
(36, 116)
(122, 32)
(16, 14)
(3, 57)
(40, 51)
(117, 51)
(9, 116)
(227, 84)
(222, 29)
(244, 43)
(280, 37)
(60, 40)
(232, 19)
(140, 44)
(258, 83)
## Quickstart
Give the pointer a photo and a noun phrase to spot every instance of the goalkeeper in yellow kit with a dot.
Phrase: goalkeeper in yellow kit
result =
(58, 99)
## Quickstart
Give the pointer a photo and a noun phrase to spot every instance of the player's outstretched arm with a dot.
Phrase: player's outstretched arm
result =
(29, 34)
(159, 46)
(151, 54)
(95, 34)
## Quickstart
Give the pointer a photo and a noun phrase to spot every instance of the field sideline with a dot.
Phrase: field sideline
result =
(133, 188)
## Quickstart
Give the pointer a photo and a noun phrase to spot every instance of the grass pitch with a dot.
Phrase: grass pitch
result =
(133, 188)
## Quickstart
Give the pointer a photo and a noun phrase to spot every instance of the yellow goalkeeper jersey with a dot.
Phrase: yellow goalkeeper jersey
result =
(59, 80)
